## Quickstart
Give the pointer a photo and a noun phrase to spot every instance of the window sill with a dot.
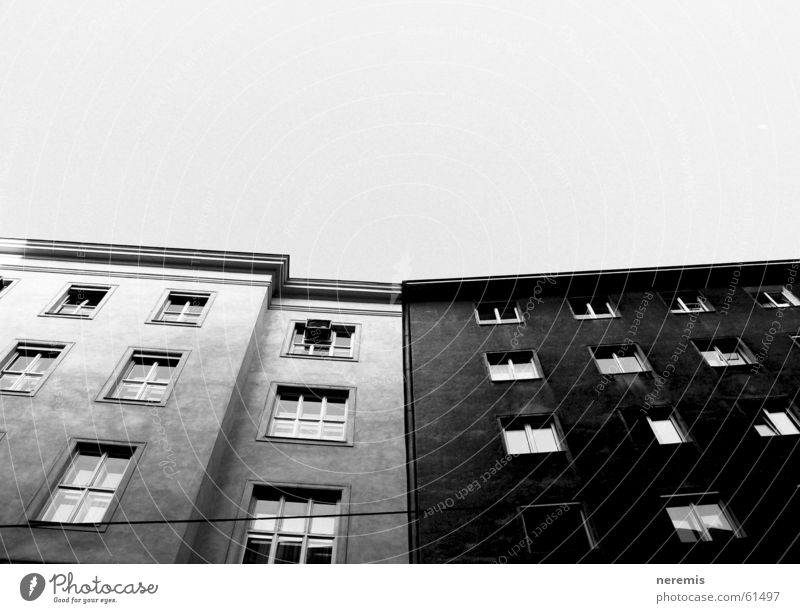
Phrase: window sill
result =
(499, 323)
(303, 441)
(331, 358)
(177, 324)
(139, 403)
(68, 316)
(50, 525)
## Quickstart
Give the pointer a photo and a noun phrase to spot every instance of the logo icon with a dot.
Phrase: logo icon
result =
(31, 586)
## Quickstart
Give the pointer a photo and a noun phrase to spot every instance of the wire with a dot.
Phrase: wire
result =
(49, 524)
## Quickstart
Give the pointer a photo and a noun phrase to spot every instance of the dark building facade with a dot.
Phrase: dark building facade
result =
(616, 416)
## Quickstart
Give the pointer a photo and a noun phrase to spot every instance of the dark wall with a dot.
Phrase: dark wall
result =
(469, 492)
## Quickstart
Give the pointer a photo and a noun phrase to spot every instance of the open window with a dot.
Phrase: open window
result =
(79, 300)
(701, 518)
(513, 365)
(532, 434)
(620, 359)
(498, 313)
(688, 301)
(593, 307)
(323, 339)
(557, 529)
(775, 297)
(725, 352)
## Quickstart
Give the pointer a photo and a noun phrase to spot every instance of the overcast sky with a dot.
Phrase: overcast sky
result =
(388, 140)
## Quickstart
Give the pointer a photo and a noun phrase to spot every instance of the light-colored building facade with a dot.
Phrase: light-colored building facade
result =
(128, 376)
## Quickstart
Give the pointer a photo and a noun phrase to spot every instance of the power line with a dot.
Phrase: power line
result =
(48, 524)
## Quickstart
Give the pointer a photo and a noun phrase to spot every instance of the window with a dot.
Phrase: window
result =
(667, 428)
(724, 352)
(5, 284)
(183, 308)
(619, 359)
(338, 343)
(774, 421)
(497, 313)
(26, 367)
(289, 527)
(702, 520)
(776, 297)
(557, 528)
(687, 302)
(304, 413)
(534, 434)
(88, 486)
(80, 301)
(513, 365)
(145, 376)
(592, 307)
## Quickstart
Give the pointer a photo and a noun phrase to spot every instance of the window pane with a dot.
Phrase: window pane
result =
(500, 372)
(715, 521)
(128, 391)
(516, 441)
(608, 366)
(630, 364)
(783, 423)
(544, 440)
(765, 430)
(525, 370)
(93, 508)
(111, 473)
(257, 551)
(45, 362)
(296, 524)
(308, 429)
(689, 531)
(28, 382)
(164, 371)
(282, 428)
(343, 338)
(8, 381)
(81, 469)
(666, 431)
(320, 349)
(714, 358)
(336, 409)
(507, 312)
(62, 505)
(22, 361)
(319, 552)
(138, 369)
(323, 525)
(153, 393)
(333, 432)
(265, 509)
(288, 551)
(288, 403)
(342, 352)
(312, 407)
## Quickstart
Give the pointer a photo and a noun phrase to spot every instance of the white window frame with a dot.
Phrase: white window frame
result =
(497, 318)
(534, 361)
(644, 363)
(82, 311)
(547, 423)
(109, 393)
(275, 534)
(788, 295)
(705, 305)
(29, 371)
(298, 420)
(705, 536)
(90, 487)
(6, 284)
(291, 343)
(676, 424)
(613, 311)
(157, 316)
(766, 421)
(746, 357)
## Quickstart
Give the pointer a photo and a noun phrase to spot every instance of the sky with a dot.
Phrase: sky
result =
(406, 140)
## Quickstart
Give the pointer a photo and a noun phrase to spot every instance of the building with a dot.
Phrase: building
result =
(616, 416)
(140, 422)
